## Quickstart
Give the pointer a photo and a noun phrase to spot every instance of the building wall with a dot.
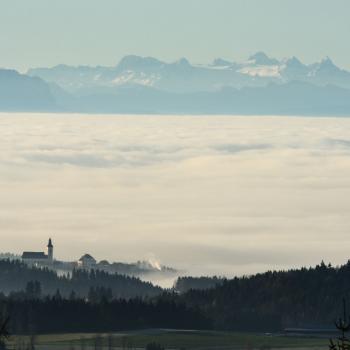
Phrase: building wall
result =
(36, 261)
(87, 264)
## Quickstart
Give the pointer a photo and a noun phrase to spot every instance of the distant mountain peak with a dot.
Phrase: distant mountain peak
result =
(324, 67)
(260, 58)
(327, 62)
(183, 62)
(294, 63)
(133, 61)
(220, 62)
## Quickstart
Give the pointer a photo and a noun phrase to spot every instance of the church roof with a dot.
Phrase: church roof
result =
(34, 255)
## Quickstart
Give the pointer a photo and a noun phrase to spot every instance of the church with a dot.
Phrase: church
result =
(39, 258)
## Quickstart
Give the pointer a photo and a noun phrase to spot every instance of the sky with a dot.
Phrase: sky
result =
(207, 195)
(36, 33)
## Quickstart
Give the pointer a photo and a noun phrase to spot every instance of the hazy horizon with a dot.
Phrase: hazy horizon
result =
(210, 194)
(156, 142)
(46, 33)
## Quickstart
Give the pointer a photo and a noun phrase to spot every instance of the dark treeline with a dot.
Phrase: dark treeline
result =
(15, 276)
(184, 284)
(307, 297)
(271, 301)
(54, 314)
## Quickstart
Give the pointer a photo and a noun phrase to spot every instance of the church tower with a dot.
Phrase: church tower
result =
(50, 250)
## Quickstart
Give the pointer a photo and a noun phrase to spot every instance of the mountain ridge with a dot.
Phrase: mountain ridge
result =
(19, 92)
(145, 85)
(258, 70)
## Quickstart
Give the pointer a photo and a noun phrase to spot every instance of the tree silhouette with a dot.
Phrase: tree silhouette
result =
(4, 332)
(343, 325)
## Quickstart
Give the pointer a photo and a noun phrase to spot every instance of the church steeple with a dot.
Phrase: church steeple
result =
(50, 250)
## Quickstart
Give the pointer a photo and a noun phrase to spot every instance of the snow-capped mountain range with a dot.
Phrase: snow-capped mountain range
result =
(183, 77)
(144, 85)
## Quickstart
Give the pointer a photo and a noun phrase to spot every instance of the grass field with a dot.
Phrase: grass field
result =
(170, 339)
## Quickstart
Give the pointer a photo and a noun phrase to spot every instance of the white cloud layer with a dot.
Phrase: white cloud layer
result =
(224, 195)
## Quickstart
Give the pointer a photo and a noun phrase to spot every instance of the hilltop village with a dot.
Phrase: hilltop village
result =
(88, 262)
(40, 259)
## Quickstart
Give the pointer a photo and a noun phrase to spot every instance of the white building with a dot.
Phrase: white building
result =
(87, 262)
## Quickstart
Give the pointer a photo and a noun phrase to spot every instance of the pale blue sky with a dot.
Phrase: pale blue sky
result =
(47, 32)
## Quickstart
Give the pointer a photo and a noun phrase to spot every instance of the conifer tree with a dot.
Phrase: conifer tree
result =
(343, 325)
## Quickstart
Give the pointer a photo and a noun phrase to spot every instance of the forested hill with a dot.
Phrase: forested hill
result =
(186, 283)
(270, 301)
(15, 276)
(57, 315)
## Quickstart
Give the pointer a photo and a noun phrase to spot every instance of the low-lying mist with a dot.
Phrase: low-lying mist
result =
(205, 195)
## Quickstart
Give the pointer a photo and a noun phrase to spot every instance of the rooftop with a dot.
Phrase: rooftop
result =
(86, 256)
(34, 255)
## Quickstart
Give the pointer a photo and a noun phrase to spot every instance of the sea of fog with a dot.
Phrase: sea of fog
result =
(205, 194)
